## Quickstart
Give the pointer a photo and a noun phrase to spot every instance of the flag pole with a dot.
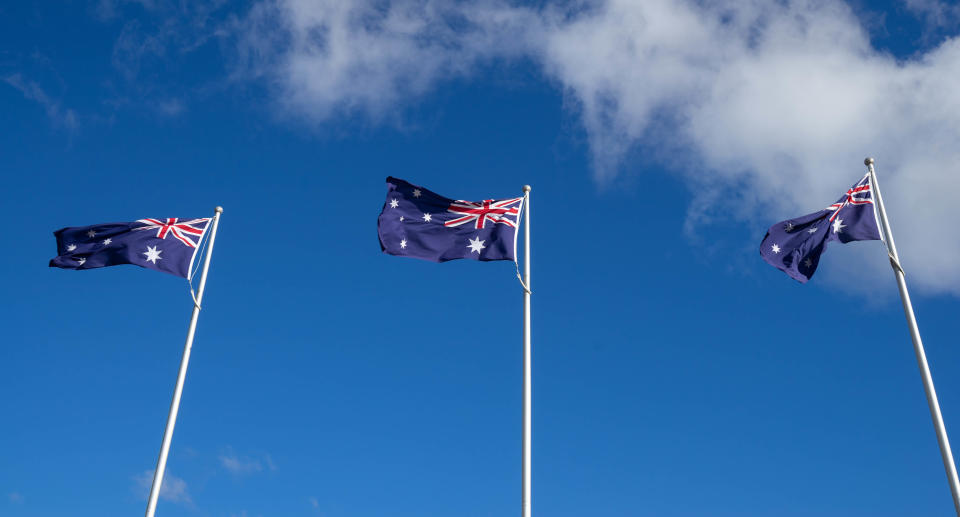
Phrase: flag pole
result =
(175, 403)
(945, 453)
(527, 358)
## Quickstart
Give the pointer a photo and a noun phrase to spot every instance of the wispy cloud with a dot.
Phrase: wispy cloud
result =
(766, 109)
(171, 107)
(15, 497)
(172, 489)
(133, 47)
(244, 465)
(31, 90)
(154, 38)
(936, 13)
(111, 9)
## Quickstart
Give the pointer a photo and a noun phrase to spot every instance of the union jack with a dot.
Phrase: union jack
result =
(858, 194)
(181, 230)
(483, 211)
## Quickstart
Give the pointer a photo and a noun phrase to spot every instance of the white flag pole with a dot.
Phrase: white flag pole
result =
(175, 404)
(932, 401)
(527, 357)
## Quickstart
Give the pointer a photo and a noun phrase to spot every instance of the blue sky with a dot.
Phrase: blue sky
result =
(675, 373)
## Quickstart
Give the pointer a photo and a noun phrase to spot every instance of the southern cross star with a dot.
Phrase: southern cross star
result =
(403, 243)
(427, 217)
(401, 218)
(813, 230)
(775, 248)
(107, 241)
(808, 262)
(838, 226)
(91, 234)
(81, 260)
(394, 203)
(476, 245)
(71, 247)
(417, 193)
(788, 227)
(153, 254)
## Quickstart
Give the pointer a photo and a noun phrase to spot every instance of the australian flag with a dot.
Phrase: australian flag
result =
(794, 246)
(416, 222)
(167, 245)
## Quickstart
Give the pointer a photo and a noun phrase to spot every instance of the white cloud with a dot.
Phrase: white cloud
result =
(172, 489)
(777, 103)
(765, 108)
(330, 57)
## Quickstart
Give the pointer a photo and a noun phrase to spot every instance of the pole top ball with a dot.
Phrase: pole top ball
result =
(868, 161)
(219, 209)
(526, 188)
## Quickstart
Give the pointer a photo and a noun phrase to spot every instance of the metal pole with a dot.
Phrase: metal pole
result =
(175, 404)
(932, 401)
(527, 357)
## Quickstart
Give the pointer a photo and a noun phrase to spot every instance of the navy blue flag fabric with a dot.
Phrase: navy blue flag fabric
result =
(794, 246)
(167, 245)
(416, 222)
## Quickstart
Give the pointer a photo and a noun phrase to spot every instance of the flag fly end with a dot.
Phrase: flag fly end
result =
(794, 246)
(416, 222)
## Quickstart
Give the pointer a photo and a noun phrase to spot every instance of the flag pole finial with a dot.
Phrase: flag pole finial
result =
(218, 210)
(526, 188)
(868, 161)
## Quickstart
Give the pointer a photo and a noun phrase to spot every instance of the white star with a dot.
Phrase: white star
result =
(813, 230)
(426, 217)
(838, 227)
(71, 247)
(476, 245)
(153, 254)
(808, 262)
(401, 218)
(775, 248)
(403, 243)
(107, 241)
(81, 260)
(788, 226)
(416, 192)
(394, 203)
(91, 234)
